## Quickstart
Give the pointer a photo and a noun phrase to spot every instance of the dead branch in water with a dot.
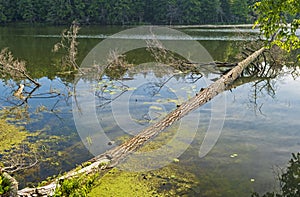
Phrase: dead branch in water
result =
(15, 69)
(70, 44)
(117, 65)
(161, 54)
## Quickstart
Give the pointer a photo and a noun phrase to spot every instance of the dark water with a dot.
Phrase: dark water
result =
(261, 125)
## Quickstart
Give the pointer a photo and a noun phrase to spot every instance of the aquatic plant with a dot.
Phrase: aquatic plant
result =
(168, 181)
(5, 185)
(76, 187)
(10, 136)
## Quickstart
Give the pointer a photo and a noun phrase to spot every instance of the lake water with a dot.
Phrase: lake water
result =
(259, 120)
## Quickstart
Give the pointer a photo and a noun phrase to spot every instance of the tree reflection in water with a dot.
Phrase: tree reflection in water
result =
(289, 180)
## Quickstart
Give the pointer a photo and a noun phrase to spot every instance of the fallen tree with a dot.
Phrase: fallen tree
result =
(114, 156)
(117, 154)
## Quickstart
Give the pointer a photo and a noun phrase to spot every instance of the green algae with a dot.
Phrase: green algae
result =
(211, 176)
(171, 180)
(11, 136)
(160, 151)
(167, 181)
(117, 183)
(176, 179)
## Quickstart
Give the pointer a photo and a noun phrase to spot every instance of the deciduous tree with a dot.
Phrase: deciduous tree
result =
(281, 17)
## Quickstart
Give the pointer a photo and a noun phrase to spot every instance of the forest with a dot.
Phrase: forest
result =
(127, 12)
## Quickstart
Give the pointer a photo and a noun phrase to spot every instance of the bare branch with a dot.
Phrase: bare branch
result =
(69, 43)
(13, 68)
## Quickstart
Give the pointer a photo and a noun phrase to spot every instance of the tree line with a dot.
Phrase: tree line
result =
(122, 12)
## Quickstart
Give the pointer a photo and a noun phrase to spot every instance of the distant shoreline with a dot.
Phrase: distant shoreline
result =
(212, 26)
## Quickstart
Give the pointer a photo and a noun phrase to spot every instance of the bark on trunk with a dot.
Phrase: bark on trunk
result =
(114, 156)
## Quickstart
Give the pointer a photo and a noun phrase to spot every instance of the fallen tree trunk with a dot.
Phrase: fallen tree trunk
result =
(118, 153)
(114, 156)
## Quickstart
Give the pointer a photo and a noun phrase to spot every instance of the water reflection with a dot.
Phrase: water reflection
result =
(289, 180)
(46, 114)
(261, 127)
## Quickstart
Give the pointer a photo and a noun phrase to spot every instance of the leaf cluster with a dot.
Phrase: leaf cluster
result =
(5, 185)
(76, 187)
(280, 18)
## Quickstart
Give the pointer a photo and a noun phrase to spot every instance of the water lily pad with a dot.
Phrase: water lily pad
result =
(234, 155)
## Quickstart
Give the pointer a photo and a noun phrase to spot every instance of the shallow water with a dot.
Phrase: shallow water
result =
(260, 131)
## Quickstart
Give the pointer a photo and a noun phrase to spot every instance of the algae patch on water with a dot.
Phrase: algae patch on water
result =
(171, 180)
(168, 181)
(11, 136)
(116, 183)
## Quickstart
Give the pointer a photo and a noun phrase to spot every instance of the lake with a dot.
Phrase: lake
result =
(254, 126)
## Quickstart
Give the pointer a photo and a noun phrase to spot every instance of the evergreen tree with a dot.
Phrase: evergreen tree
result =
(210, 11)
(172, 12)
(126, 11)
(26, 10)
(79, 10)
(119, 12)
(138, 6)
(3, 18)
(190, 11)
(239, 11)
(225, 11)
(60, 11)
(157, 11)
(10, 11)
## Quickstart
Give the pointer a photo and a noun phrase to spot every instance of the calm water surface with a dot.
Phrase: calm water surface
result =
(261, 127)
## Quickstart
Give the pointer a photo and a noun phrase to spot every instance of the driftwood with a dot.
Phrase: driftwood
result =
(19, 92)
(117, 154)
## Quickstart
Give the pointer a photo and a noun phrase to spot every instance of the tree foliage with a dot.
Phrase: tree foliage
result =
(4, 185)
(281, 18)
(125, 11)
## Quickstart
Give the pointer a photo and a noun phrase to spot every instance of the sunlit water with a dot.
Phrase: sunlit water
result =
(259, 134)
